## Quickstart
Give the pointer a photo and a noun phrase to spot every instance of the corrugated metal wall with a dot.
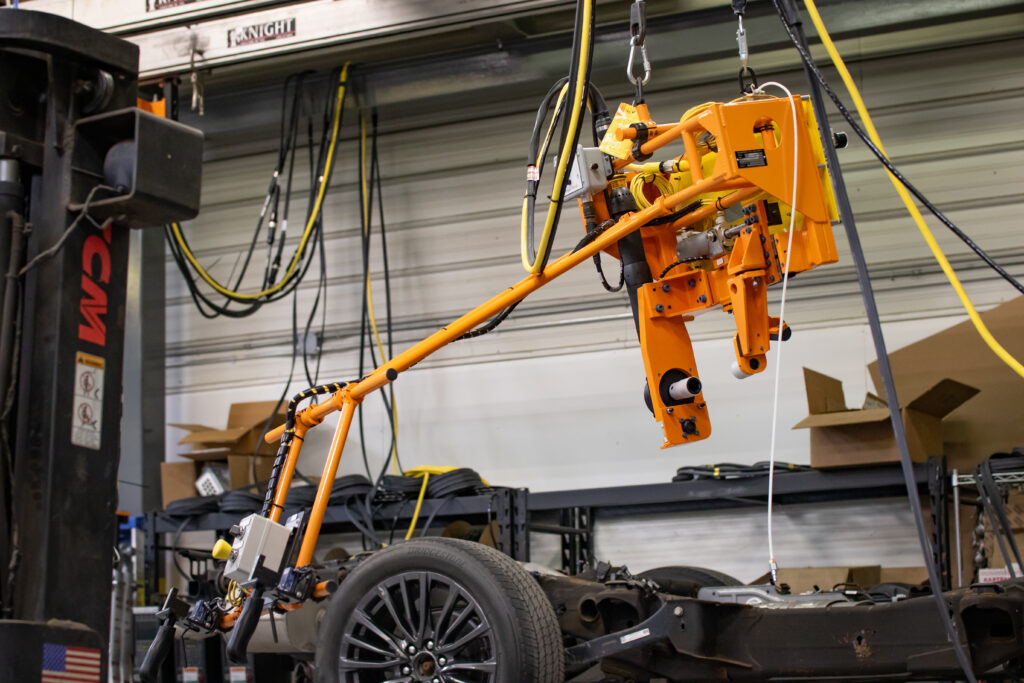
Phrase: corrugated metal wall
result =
(553, 399)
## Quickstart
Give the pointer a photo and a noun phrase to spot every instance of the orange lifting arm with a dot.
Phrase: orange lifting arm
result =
(752, 168)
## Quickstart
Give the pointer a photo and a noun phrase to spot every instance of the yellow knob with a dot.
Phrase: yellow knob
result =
(221, 549)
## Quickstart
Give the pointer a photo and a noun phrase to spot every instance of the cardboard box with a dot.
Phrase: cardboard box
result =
(841, 437)
(240, 469)
(989, 423)
(805, 579)
(915, 576)
(994, 555)
(240, 437)
(1015, 511)
(178, 480)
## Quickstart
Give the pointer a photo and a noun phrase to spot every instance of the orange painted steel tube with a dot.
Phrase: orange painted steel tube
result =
(664, 137)
(378, 378)
(350, 395)
(284, 482)
(707, 210)
(323, 491)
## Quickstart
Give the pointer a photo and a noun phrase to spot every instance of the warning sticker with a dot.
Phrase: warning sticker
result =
(624, 117)
(239, 674)
(87, 413)
(190, 674)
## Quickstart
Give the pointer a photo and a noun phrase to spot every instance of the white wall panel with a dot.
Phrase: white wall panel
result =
(552, 400)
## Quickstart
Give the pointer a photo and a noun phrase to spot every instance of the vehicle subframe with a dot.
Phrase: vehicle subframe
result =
(637, 635)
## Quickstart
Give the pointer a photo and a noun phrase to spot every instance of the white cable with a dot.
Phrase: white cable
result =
(782, 311)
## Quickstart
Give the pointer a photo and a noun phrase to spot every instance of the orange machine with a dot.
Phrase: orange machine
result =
(746, 161)
(713, 231)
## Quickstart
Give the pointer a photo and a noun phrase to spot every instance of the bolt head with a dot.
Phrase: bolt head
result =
(666, 287)
(411, 649)
(406, 671)
(659, 308)
(442, 661)
(430, 645)
(692, 282)
(678, 611)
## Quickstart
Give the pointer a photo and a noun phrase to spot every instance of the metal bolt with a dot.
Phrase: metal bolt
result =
(406, 671)
(411, 649)
(435, 679)
(702, 298)
(666, 288)
(762, 239)
(594, 166)
(678, 611)
(659, 308)
(430, 645)
(442, 661)
(669, 410)
(692, 282)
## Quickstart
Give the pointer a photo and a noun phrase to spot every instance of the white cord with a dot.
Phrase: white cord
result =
(773, 566)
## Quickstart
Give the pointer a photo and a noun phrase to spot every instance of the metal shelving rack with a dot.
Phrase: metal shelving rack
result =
(571, 513)
(1012, 477)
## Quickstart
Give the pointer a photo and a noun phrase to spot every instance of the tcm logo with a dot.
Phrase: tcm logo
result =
(261, 33)
(95, 278)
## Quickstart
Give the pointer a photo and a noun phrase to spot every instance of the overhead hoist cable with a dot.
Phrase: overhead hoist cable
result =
(297, 258)
(902, 189)
(535, 260)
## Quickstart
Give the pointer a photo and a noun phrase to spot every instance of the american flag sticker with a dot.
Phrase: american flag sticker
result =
(63, 664)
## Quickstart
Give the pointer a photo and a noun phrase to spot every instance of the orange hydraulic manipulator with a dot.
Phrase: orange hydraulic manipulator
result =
(737, 158)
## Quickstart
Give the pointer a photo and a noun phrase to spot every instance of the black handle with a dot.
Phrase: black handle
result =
(158, 650)
(238, 643)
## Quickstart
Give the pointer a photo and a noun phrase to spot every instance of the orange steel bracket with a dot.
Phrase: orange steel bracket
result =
(668, 358)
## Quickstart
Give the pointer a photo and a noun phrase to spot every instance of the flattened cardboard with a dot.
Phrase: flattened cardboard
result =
(915, 576)
(178, 480)
(240, 437)
(989, 423)
(240, 469)
(824, 393)
(844, 438)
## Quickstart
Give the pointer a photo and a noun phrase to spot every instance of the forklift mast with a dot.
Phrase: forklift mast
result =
(79, 165)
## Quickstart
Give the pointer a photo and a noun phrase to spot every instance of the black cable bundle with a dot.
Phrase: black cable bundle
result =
(396, 487)
(273, 218)
(459, 482)
(241, 501)
(728, 470)
(375, 199)
(188, 507)
(349, 486)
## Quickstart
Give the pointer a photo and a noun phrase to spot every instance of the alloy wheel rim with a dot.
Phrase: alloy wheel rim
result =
(418, 627)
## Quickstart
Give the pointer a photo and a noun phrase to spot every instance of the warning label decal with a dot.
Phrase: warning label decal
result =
(87, 412)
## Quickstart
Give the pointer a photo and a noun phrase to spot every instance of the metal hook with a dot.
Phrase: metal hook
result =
(629, 65)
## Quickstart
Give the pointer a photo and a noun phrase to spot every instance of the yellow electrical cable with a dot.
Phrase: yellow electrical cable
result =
(564, 158)
(176, 229)
(641, 180)
(869, 126)
(419, 504)
(551, 126)
(364, 189)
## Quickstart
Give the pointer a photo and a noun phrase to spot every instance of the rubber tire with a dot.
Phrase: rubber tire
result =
(687, 581)
(527, 637)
